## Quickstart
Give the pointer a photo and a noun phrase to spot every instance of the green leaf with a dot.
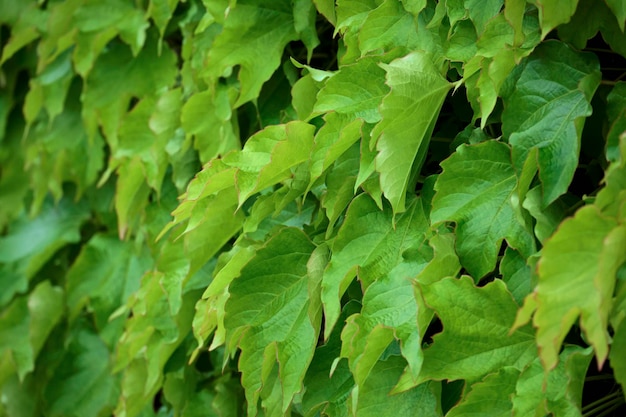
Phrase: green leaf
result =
(328, 379)
(25, 326)
(387, 27)
(29, 244)
(267, 316)
(486, 397)
(479, 320)
(619, 10)
(409, 112)
(616, 110)
(559, 392)
(161, 12)
(389, 312)
(100, 285)
(554, 13)
(530, 392)
(355, 90)
(332, 140)
(132, 195)
(546, 110)
(253, 37)
(83, 385)
(340, 180)
(516, 274)
(486, 71)
(17, 351)
(269, 156)
(369, 245)
(547, 218)
(117, 76)
(207, 117)
(582, 256)
(610, 199)
(374, 399)
(478, 190)
(618, 363)
(30, 22)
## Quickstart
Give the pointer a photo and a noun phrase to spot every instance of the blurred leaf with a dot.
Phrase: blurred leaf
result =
(83, 385)
(30, 243)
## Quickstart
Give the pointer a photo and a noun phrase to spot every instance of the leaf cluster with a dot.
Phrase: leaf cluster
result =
(312, 208)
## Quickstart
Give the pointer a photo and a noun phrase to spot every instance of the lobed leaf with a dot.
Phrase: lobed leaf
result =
(481, 319)
(576, 279)
(546, 110)
(478, 190)
(408, 112)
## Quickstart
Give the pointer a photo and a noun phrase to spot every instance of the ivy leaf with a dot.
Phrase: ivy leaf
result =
(269, 156)
(340, 180)
(374, 399)
(516, 274)
(30, 243)
(583, 256)
(408, 112)
(616, 110)
(117, 76)
(389, 312)
(554, 13)
(206, 117)
(486, 397)
(25, 325)
(547, 218)
(478, 189)
(101, 285)
(332, 140)
(618, 363)
(465, 311)
(546, 110)
(267, 317)
(253, 37)
(368, 244)
(387, 27)
(355, 90)
(83, 383)
(619, 10)
(559, 392)
(329, 380)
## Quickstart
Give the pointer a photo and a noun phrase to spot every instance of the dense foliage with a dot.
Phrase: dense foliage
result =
(296, 207)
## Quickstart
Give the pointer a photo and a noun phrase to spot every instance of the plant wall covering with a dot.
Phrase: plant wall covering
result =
(312, 208)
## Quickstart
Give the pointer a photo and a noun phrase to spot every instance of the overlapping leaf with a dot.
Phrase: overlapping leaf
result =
(253, 38)
(478, 190)
(582, 256)
(409, 112)
(368, 245)
(267, 317)
(478, 319)
(546, 110)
